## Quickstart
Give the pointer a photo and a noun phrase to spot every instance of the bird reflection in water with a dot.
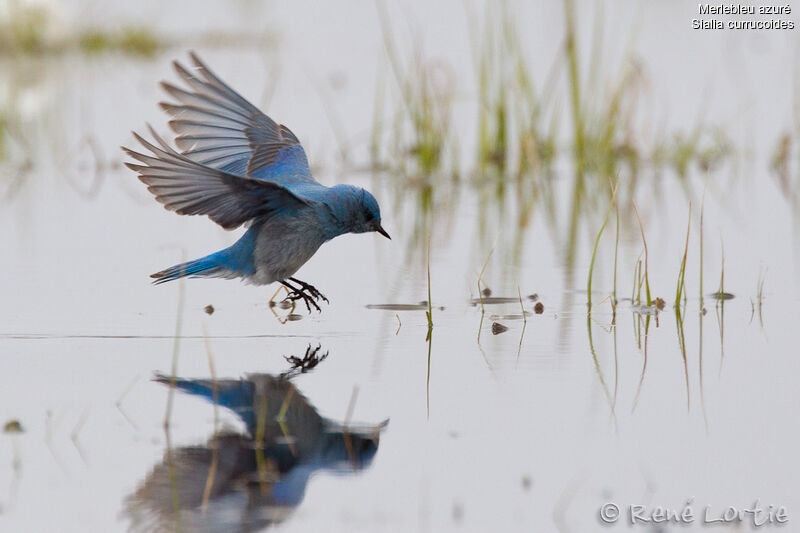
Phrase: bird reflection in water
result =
(247, 481)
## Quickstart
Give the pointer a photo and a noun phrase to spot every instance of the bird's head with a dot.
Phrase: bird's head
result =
(356, 209)
(371, 214)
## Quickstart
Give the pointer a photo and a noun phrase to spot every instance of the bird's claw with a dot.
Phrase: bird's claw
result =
(301, 365)
(308, 299)
(306, 292)
(311, 289)
(315, 293)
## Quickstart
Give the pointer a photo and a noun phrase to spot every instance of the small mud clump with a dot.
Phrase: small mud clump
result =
(498, 328)
(538, 308)
(13, 426)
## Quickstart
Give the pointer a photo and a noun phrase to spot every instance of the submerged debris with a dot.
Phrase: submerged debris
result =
(539, 308)
(294, 317)
(513, 316)
(721, 296)
(498, 328)
(209, 309)
(422, 306)
(533, 297)
(486, 292)
(649, 310)
(496, 300)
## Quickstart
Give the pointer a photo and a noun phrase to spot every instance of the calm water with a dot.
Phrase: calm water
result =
(521, 431)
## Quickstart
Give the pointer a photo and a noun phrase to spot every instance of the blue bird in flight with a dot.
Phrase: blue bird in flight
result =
(240, 167)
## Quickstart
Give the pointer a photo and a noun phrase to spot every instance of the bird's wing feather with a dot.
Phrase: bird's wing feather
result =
(189, 187)
(218, 127)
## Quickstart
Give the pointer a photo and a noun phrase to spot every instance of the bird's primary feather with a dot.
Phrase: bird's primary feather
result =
(189, 187)
(218, 127)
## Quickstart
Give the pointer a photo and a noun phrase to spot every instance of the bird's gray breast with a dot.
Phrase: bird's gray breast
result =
(285, 243)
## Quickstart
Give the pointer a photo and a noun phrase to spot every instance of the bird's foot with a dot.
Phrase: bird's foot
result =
(311, 289)
(295, 295)
(302, 293)
(301, 365)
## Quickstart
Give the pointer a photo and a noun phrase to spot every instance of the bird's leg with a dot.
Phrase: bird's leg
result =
(310, 288)
(275, 295)
(298, 293)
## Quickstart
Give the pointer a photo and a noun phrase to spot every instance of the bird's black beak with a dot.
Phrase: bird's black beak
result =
(382, 231)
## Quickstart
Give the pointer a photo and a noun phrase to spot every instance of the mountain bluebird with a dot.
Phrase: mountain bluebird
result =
(240, 167)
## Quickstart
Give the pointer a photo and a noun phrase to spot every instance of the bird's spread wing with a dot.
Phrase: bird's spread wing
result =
(218, 127)
(189, 187)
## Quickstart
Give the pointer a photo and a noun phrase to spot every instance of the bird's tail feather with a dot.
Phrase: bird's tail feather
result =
(208, 266)
(235, 394)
